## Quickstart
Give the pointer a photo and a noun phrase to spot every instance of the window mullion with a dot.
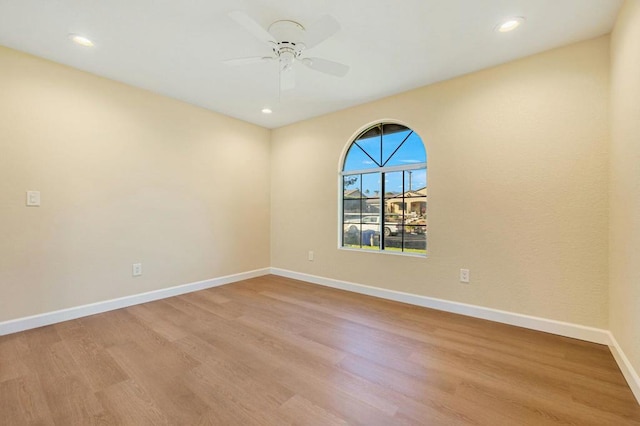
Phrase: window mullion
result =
(404, 209)
(382, 162)
(382, 211)
(415, 166)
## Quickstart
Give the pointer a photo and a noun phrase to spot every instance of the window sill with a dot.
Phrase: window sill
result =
(385, 252)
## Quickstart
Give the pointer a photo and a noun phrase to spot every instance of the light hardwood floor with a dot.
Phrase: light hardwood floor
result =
(275, 351)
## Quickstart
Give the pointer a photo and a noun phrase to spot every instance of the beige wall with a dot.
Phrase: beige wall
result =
(518, 188)
(625, 182)
(126, 176)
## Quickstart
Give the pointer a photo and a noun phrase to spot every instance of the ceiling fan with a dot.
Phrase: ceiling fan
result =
(288, 41)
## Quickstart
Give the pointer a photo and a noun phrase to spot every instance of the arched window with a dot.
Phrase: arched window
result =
(384, 191)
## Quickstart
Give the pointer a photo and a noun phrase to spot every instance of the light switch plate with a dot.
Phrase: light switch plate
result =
(33, 198)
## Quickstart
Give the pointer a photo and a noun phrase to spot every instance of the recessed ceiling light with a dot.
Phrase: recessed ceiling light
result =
(510, 24)
(266, 111)
(81, 40)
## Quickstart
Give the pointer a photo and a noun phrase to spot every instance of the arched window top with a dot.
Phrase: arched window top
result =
(385, 145)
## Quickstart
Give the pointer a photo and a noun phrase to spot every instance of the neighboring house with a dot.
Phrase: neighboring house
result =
(414, 203)
(353, 193)
(353, 202)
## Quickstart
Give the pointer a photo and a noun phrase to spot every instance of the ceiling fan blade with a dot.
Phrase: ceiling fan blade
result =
(252, 26)
(287, 79)
(320, 30)
(326, 66)
(247, 61)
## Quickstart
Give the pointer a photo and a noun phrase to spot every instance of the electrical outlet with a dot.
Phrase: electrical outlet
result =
(137, 269)
(464, 276)
(310, 257)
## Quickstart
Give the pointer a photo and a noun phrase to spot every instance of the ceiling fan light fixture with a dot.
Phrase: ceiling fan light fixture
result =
(81, 40)
(266, 110)
(288, 40)
(510, 24)
(287, 57)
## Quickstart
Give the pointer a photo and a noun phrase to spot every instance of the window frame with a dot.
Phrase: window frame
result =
(381, 171)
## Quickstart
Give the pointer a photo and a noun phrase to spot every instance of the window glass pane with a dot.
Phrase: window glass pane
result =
(391, 128)
(352, 222)
(395, 205)
(393, 186)
(351, 185)
(416, 207)
(351, 236)
(371, 133)
(415, 182)
(371, 206)
(370, 231)
(371, 185)
(415, 239)
(393, 224)
(371, 239)
(411, 152)
(393, 228)
(351, 210)
(362, 232)
(372, 146)
(357, 160)
(391, 142)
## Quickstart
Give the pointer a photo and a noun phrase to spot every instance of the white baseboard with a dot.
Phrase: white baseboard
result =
(26, 323)
(625, 366)
(589, 334)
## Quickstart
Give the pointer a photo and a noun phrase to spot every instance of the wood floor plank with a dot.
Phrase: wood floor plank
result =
(336, 382)
(12, 346)
(225, 386)
(523, 408)
(130, 405)
(334, 400)
(12, 368)
(119, 327)
(276, 351)
(40, 338)
(23, 402)
(300, 343)
(159, 372)
(301, 411)
(409, 380)
(94, 362)
(71, 402)
(161, 324)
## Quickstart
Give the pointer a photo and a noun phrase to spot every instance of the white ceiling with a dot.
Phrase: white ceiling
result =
(176, 48)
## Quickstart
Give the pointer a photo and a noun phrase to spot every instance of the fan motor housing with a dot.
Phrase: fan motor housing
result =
(289, 36)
